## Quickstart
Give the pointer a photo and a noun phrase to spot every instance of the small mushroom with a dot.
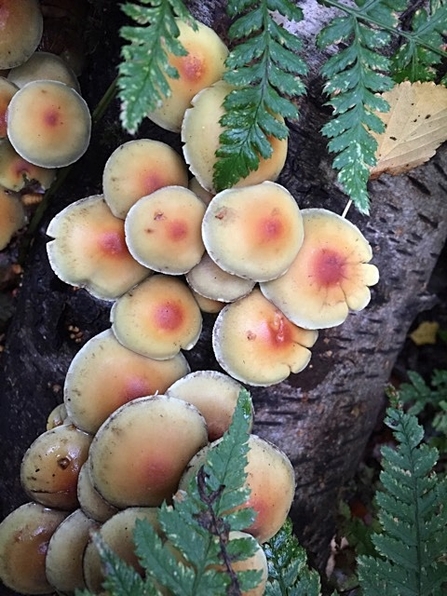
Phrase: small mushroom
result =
(163, 230)
(57, 417)
(12, 216)
(21, 27)
(16, 173)
(207, 305)
(104, 375)
(24, 537)
(254, 232)
(49, 124)
(137, 168)
(89, 249)
(90, 501)
(7, 90)
(140, 452)
(43, 66)
(255, 343)
(330, 275)
(200, 149)
(158, 318)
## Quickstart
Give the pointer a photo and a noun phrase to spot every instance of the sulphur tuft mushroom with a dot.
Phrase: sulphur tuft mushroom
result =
(12, 216)
(21, 27)
(330, 275)
(49, 124)
(43, 66)
(17, 174)
(7, 90)
(254, 342)
(90, 501)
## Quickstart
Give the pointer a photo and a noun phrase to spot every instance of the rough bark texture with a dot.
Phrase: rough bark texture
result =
(322, 417)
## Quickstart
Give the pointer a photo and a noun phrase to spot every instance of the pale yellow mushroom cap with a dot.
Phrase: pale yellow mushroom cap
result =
(7, 90)
(12, 216)
(330, 275)
(21, 27)
(43, 66)
(16, 173)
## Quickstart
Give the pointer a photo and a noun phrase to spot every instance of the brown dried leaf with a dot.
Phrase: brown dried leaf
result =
(415, 127)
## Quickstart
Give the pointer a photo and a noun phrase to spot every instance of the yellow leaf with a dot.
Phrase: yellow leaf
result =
(415, 127)
(425, 333)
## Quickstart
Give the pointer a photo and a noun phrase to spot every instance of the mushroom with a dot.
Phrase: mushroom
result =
(89, 249)
(330, 275)
(203, 65)
(7, 90)
(57, 417)
(16, 173)
(51, 464)
(137, 168)
(21, 27)
(43, 66)
(200, 149)
(139, 453)
(158, 318)
(12, 216)
(104, 375)
(213, 393)
(207, 305)
(24, 537)
(254, 232)
(163, 230)
(90, 501)
(203, 194)
(255, 343)
(49, 124)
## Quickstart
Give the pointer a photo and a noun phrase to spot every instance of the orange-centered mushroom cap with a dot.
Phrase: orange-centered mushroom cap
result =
(254, 232)
(158, 318)
(16, 173)
(255, 343)
(49, 124)
(329, 276)
(21, 27)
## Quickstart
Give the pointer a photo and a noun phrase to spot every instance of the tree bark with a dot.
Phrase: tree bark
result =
(322, 417)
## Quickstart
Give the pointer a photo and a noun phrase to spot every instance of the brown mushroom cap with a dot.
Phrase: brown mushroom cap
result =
(7, 90)
(329, 276)
(255, 343)
(141, 450)
(49, 124)
(42, 66)
(163, 230)
(158, 318)
(90, 501)
(254, 232)
(200, 149)
(213, 393)
(137, 168)
(104, 375)
(16, 173)
(21, 27)
(203, 65)
(24, 536)
(12, 216)
(89, 249)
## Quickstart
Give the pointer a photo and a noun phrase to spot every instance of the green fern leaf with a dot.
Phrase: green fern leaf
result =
(266, 71)
(144, 70)
(413, 517)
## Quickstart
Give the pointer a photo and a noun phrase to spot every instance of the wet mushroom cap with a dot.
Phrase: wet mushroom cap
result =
(255, 343)
(16, 173)
(43, 66)
(49, 124)
(12, 216)
(24, 537)
(158, 318)
(7, 90)
(330, 275)
(104, 375)
(137, 168)
(201, 123)
(138, 455)
(89, 249)
(254, 232)
(163, 230)
(21, 27)
(203, 65)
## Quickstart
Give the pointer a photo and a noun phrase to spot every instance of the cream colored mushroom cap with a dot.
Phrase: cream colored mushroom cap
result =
(90, 501)
(330, 275)
(12, 216)
(7, 90)
(21, 27)
(16, 172)
(44, 66)
(49, 124)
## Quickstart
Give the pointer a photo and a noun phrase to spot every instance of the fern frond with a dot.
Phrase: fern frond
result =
(413, 516)
(266, 71)
(144, 70)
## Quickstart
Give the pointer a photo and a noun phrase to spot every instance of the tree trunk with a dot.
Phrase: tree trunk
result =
(322, 417)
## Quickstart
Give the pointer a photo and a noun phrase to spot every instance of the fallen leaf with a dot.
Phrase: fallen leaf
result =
(425, 333)
(415, 126)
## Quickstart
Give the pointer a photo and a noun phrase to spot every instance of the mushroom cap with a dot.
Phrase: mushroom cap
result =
(49, 124)
(206, 304)
(203, 194)
(255, 343)
(201, 132)
(89, 249)
(104, 375)
(254, 232)
(212, 282)
(16, 173)
(21, 27)
(203, 65)
(329, 276)
(90, 501)
(12, 216)
(42, 66)
(137, 168)
(24, 536)
(163, 230)
(158, 318)
(213, 393)
(7, 90)
(138, 455)
(57, 417)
